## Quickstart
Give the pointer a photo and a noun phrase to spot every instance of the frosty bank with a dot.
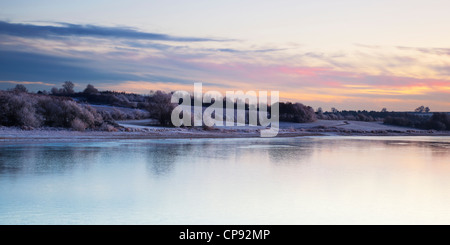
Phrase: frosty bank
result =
(213, 115)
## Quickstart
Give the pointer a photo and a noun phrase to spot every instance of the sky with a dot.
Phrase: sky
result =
(351, 55)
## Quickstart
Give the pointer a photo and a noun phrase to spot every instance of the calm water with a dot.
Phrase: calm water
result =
(317, 180)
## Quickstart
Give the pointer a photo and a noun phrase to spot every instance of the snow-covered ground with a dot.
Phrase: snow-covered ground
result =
(139, 124)
(319, 124)
(140, 129)
(345, 124)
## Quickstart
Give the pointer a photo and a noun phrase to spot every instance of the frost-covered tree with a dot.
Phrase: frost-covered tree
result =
(68, 87)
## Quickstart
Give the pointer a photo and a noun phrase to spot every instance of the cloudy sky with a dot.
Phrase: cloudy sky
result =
(344, 54)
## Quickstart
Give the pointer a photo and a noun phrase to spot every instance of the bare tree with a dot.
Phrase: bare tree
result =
(20, 88)
(54, 91)
(68, 87)
(334, 110)
(422, 109)
(319, 110)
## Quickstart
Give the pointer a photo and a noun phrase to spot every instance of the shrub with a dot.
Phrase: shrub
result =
(51, 111)
(20, 88)
(118, 114)
(438, 121)
(55, 91)
(403, 121)
(95, 118)
(18, 110)
(23, 109)
(90, 89)
(106, 115)
(107, 127)
(78, 125)
(160, 107)
(296, 113)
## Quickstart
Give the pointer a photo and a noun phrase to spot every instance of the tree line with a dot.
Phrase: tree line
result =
(63, 107)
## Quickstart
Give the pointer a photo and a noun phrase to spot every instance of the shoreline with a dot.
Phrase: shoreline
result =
(14, 135)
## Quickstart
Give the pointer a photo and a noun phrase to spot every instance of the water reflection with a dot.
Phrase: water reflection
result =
(315, 180)
(41, 160)
(161, 159)
(434, 147)
(291, 153)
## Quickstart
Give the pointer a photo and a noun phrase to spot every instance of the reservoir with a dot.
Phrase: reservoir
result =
(299, 180)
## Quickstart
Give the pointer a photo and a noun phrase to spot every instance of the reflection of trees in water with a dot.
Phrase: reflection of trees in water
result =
(44, 159)
(437, 149)
(291, 153)
(440, 149)
(216, 149)
(162, 158)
